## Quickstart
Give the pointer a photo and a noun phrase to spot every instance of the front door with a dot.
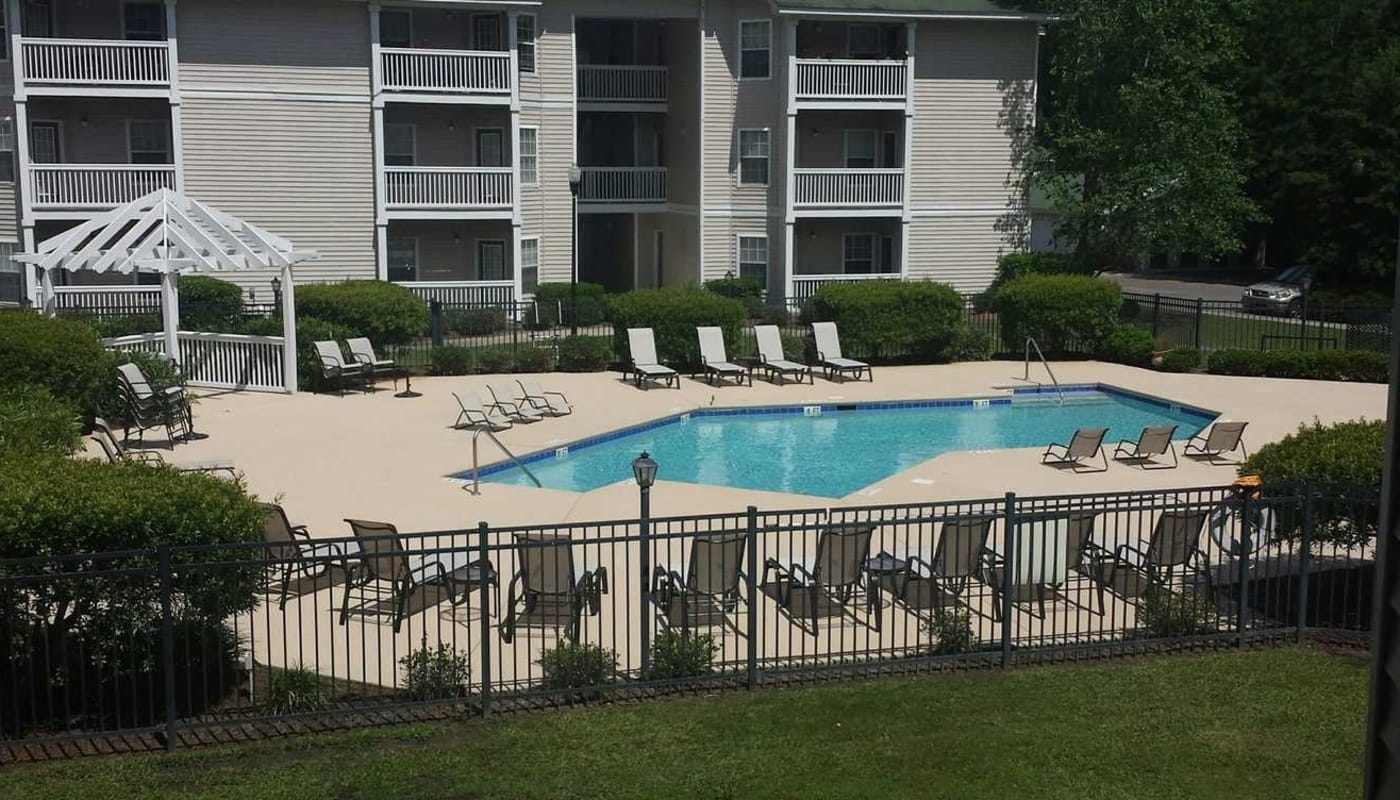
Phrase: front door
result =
(45, 142)
(38, 18)
(486, 32)
(490, 147)
(491, 260)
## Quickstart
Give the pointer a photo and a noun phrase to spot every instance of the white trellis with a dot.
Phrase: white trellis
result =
(168, 233)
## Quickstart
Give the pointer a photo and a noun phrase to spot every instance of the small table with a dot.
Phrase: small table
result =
(881, 572)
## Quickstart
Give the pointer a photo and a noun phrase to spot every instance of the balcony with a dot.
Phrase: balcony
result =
(56, 187)
(850, 81)
(870, 191)
(484, 74)
(94, 62)
(621, 185)
(622, 85)
(804, 286)
(456, 191)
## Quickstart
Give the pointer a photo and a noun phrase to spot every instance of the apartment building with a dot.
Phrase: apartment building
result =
(434, 143)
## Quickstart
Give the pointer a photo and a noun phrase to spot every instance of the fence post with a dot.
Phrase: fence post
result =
(645, 625)
(483, 558)
(1305, 561)
(1246, 551)
(1008, 556)
(1156, 314)
(751, 548)
(435, 322)
(1199, 312)
(167, 647)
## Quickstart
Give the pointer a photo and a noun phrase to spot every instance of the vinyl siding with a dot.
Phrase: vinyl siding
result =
(443, 258)
(818, 245)
(821, 135)
(732, 104)
(317, 46)
(95, 130)
(722, 240)
(445, 134)
(300, 169)
(545, 209)
(553, 78)
(961, 251)
(678, 249)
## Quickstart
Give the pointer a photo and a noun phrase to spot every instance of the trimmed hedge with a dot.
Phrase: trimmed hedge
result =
(736, 288)
(1017, 265)
(490, 360)
(208, 304)
(32, 422)
(1361, 366)
(887, 320)
(1127, 345)
(585, 353)
(63, 356)
(673, 315)
(1063, 313)
(473, 321)
(386, 313)
(1182, 359)
(551, 298)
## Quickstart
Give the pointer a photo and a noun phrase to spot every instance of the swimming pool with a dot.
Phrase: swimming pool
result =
(833, 450)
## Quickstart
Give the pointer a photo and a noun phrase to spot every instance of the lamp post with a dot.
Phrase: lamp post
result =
(644, 471)
(575, 179)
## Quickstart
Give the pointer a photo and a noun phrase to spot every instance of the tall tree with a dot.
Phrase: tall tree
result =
(1141, 144)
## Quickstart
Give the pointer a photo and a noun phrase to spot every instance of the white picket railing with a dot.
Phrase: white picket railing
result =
(851, 79)
(466, 71)
(464, 292)
(804, 286)
(91, 61)
(621, 84)
(623, 185)
(113, 300)
(447, 187)
(218, 360)
(96, 185)
(836, 188)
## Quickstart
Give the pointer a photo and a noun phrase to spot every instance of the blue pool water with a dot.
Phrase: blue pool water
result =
(839, 449)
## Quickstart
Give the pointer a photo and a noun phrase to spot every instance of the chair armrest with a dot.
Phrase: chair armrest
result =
(321, 552)
(912, 560)
(799, 571)
(1127, 548)
(301, 530)
(559, 395)
(415, 574)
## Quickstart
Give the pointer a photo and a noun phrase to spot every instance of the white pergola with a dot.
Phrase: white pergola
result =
(168, 233)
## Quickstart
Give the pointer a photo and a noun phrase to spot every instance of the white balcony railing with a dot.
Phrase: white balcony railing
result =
(840, 188)
(621, 84)
(804, 286)
(464, 292)
(95, 61)
(448, 187)
(458, 71)
(95, 185)
(119, 300)
(623, 185)
(218, 360)
(850, 79)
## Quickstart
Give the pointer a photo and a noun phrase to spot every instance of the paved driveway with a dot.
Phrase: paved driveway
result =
(1190, 290)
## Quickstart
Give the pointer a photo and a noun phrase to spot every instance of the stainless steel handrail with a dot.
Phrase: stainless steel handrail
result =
(1031, 342)
(476, 465)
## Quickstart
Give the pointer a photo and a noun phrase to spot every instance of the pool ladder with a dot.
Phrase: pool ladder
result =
(1031, 342)
(476, 464)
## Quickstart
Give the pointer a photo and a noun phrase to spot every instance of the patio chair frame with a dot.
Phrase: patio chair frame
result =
(1200, 444)
(834, 364)
(1060, 454)
(648, 373)
(778, 365)
(578, 593)
(474, 417)
(298, 552)
(717, 371)
(1130, 450)
(797, 577)
(337, 371)
(699, 593)
(404, 577)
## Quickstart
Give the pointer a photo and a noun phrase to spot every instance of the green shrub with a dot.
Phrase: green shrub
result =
(111, 327)
(879, 320)
(736, 288)
(681, 654)
(209, 304)
(32, 422)
(1164, 614)
(1063, 313)
(1017, 265)
(1351, 365)
(309, 331)
(452, 360)
(949, 632)
(262, 326)
(295, 691)
(1182, 359)
(1236, 362)
(388, 314)
(494, 360)
(1127, 345)
(764, 314)
(552, 298)
(1334, 365)
(575, 665)
(63, 356)
(533, 359)
(971, 344)
(585, 353)
(473, 321)
(435, 673)
(673, 315)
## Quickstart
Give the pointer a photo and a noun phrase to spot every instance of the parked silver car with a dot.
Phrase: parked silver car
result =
(1283, 295)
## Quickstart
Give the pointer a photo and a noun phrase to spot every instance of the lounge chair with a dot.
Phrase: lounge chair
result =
(771, 359)
(715, 361)
(337, 371)
(116, 454)
(504, 400)
(1152, 442)
(833, 364)
(1174, 548)
(474, 413)
(414, 583)
(362, 352)
(1224, 437)
(709, 591)
(555, 404)
(146, 408)
(646, 367)
(301, 561)
(1087, 443)
(961, 556)
(836, 573)
(1048, 548)
(547, 590)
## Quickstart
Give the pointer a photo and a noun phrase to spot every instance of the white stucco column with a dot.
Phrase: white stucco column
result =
(289, 331)
(170, 313)
(48, 301)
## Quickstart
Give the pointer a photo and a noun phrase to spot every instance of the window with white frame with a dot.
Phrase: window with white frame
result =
(863, 41)
(5, 33)
(529, 265)
(143, 22)
(529, 156)
(7, 150)
(860, 149)
(402, 258)
(11, 275)
(753, 259)
(753, 156)
(395, 27)
(400, 144)
(755, 49)
(148, 141)
(491, 260)
(858, 253)
(525, 42)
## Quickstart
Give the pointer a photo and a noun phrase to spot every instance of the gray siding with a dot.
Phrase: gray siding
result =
(553, 78)
(732, 104)
(84, 19)
(961, 251)
(821, 139)
(545, 208)
(683, 117)
(818, 244)
(94, 131)
(445, 134)
(447, 251)
(300, 169)
(272, 45)
(678, 250)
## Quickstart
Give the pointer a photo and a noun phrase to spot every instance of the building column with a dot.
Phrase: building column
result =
(513, 147)
(177, 139)
(789, 235)
(907, 212)
(381, 217)
(790, 155)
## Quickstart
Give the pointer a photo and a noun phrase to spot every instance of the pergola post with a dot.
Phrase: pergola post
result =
(48, 299)
(170, 313)
(289, 330)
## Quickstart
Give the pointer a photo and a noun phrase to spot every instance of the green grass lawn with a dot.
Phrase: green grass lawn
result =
(1283, 723)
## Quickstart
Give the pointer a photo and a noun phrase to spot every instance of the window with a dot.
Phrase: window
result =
(525, 42)
(529, 265)
(490, 149)
(11, 274)
(395, 27)
(753, 157)
(860, 149)
(44, 142)
(486, 32)
(858, 253)
(403, 258)
(148, 141)
(4, 34)
(38, 18)
(753, 258)
(7, 150)
(863, 41)
(491, 260)
(143, 21)
(529, 156)
(400, 144)
(755, 48)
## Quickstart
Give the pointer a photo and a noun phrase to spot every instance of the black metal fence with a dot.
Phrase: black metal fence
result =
(1226, 325)
(152, 649)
